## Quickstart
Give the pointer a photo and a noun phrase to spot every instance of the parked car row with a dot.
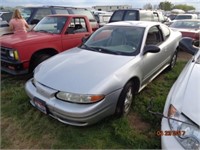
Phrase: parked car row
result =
(34, 14)
(137, 14)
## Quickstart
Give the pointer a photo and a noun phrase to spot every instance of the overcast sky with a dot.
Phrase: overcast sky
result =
(89, 3)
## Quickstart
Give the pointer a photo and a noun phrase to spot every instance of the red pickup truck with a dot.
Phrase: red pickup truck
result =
(20, 54)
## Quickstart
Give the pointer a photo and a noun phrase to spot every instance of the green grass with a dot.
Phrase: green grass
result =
(22, 126)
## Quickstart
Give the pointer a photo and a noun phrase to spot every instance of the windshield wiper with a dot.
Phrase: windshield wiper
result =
(88, 47)
(104, 50)
(99, 49)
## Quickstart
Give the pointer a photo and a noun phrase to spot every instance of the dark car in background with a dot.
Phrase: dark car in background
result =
(34, 14)
(136, 14)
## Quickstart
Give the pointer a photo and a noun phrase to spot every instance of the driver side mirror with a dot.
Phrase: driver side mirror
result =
(151, 49)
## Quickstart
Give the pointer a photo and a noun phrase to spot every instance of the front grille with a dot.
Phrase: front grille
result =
(4, 52)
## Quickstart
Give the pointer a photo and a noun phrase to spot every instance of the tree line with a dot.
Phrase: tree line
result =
(168, 6)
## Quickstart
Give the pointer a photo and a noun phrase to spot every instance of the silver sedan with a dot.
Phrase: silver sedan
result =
(87, 83)
(182, 108)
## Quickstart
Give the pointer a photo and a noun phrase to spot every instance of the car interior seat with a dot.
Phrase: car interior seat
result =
(79, 28)
(151, 39)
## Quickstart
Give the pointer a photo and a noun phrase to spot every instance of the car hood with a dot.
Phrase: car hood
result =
(80, 71)
(30, 37)
(186, 94)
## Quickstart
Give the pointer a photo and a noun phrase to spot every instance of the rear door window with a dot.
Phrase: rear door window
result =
(165, 31)
(154, 36)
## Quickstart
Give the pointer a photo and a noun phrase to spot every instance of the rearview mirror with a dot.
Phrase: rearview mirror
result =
(151, 49)
(187, 44)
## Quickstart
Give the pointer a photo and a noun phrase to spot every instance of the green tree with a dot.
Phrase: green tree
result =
(166, 5)
(184, 7)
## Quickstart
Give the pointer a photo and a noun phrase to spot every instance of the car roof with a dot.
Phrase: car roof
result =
(137, 9)
(135, 23)
(198, 20)
(66, 7)
(186, 14)
(67, 15)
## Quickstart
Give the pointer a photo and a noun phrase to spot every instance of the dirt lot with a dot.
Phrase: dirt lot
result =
(183, 56)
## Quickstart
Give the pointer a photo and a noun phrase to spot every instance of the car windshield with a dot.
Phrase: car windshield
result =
(120, 40)
(52, 24)
(186, 24)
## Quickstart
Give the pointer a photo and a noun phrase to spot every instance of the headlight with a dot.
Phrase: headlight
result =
(79, 98)
(191, 138)
(13, 54)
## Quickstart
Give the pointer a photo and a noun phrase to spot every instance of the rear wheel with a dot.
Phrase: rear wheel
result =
(37, 60)
(173, 60)
(125, 100)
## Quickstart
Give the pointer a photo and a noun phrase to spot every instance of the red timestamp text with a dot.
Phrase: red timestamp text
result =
(170, 133)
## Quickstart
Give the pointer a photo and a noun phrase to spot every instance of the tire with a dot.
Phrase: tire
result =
(125, 100)
(37, 60)
(173, 60)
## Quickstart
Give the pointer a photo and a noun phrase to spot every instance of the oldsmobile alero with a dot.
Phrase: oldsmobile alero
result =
(98, 79)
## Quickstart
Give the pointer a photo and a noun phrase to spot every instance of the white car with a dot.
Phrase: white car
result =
(181, 127)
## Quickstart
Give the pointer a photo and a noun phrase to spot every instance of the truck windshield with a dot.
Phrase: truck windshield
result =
(51, 24)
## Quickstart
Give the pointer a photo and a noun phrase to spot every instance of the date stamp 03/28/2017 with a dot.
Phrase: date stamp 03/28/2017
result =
(170, 133)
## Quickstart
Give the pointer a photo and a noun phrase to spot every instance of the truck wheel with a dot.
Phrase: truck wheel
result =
(125, 100)
(38, 59)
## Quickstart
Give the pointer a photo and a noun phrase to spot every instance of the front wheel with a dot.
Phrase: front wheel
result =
(125, 100)
(38, 59)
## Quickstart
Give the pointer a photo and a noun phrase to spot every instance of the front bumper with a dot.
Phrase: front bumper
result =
(72, 113)
(14, 68)
(169, 142)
